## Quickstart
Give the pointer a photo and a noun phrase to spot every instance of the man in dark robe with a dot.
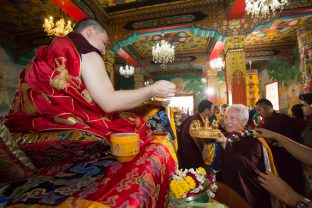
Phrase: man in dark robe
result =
(240, 157)
(288, 168)
(189, 148)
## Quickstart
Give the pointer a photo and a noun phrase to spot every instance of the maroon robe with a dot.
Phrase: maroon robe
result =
(288, 168)
(189, 155)
(237, 164)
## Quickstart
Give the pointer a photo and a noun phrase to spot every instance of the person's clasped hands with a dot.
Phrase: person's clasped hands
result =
(163, 88)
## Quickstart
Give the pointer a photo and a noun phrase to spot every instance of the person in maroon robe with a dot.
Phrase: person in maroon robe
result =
(240, 157)
(298, 117)
(189, 148)
(288, 168)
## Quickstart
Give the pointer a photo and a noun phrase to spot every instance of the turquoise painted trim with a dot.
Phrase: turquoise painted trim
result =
(208, 33)
(124, 43)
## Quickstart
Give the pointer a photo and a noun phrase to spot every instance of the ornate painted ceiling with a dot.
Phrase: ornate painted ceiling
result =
(282, 30)
(184, 43)
(22, 20)
(112, 6)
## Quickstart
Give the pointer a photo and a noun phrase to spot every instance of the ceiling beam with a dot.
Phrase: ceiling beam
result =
(70, 9)
(236, 9)
(297, 12)
(217, 50)
(124, 55)
(163, 29)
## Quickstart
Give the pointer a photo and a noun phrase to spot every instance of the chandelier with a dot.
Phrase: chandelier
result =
(163, 53)
(126, 71)
(60, 28)
(264, 8)
(217, 64)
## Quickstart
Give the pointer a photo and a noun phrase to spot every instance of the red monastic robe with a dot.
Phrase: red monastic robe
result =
(52, 96)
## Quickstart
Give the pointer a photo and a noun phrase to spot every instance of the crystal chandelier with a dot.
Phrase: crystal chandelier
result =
(60, 28)
(217, 64)
(163, 53)
(264, 8)
(126, 71)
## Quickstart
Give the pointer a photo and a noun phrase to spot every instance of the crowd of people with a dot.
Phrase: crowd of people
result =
(263, 155)
(260, 160)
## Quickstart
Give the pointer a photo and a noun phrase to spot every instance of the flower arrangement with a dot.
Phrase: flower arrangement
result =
(189, 182)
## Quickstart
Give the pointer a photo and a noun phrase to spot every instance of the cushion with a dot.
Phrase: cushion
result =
(60, 147)
(14, 164)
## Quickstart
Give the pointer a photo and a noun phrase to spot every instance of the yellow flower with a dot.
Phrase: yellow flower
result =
(184, 185)
(191, 182)
(201, 171)
(181, 185)
(177, 188)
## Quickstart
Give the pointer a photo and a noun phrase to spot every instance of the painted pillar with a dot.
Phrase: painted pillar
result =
(304, 37)
(252, 87)
(235, 69)
(212, 85)
(109, 59)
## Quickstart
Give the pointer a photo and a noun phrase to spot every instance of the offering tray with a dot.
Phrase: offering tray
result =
(203, 133)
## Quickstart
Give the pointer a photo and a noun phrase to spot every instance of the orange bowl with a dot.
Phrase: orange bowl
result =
(125, 146)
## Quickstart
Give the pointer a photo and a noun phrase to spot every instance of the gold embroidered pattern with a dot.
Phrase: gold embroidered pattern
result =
(45, 97)
(6, 138)
(105, 118)
(28, 106)
(63, 80)
(86, 96)
(130, 117)
(28, 67)
(69, 121)
(16, 104)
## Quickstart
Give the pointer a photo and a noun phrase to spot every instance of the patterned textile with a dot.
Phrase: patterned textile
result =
(159, 122)
(143, 182)
(59, 147)
(71, 202)
(52, 96)
(13, 162)
(58, 183)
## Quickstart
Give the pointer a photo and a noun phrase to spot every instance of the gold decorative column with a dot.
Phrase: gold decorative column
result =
(252, 87)
(304, 37)
(235, 69)
(109, 59)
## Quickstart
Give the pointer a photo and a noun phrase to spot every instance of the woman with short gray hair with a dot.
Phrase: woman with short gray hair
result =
(239, 155)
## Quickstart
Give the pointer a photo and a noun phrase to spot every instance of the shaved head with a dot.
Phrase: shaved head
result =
(81, 25)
